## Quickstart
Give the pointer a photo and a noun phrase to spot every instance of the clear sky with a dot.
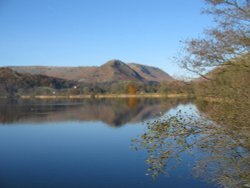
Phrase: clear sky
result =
(91, 32)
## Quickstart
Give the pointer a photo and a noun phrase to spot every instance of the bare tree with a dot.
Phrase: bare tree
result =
(229, 39)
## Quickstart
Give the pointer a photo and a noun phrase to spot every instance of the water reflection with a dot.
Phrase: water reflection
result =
(202, 135)
(114, 112)
(220, 152)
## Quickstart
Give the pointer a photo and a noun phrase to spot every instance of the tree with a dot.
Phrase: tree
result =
(132, 89)
(229, 39)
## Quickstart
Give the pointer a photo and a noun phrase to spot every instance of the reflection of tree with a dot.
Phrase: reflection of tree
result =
(132, 89)
(221, 153)
(133, 102)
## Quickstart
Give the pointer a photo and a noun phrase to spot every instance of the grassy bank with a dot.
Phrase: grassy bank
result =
(153, 95)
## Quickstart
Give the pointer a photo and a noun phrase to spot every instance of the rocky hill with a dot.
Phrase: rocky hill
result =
(150, 73)
(114, 70)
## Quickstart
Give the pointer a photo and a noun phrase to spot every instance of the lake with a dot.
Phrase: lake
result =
(113, 143)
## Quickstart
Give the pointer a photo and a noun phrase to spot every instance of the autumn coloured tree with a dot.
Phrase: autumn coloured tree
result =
(132, 89)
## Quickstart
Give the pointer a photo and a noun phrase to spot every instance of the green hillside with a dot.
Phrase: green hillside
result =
(230, 82)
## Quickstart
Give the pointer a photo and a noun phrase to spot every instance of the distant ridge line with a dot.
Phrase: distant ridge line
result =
(113, 70)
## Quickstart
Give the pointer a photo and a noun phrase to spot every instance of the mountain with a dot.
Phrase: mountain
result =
(117, 70)
(11, 81)
(113, 70)
(150, 73)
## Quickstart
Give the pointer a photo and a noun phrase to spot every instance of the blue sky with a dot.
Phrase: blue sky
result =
(91, 32)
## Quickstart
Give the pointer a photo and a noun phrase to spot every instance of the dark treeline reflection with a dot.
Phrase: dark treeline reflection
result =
(216, 136)
(114, 112)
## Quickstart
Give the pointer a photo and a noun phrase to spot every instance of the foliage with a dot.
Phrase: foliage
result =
(176, 87)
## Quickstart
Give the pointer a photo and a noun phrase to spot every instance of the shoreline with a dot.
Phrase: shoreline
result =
(100, 96)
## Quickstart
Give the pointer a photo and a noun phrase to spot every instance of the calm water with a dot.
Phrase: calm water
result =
(88, 144)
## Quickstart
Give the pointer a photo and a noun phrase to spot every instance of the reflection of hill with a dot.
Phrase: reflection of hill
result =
(115, 112)
(228, 114)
